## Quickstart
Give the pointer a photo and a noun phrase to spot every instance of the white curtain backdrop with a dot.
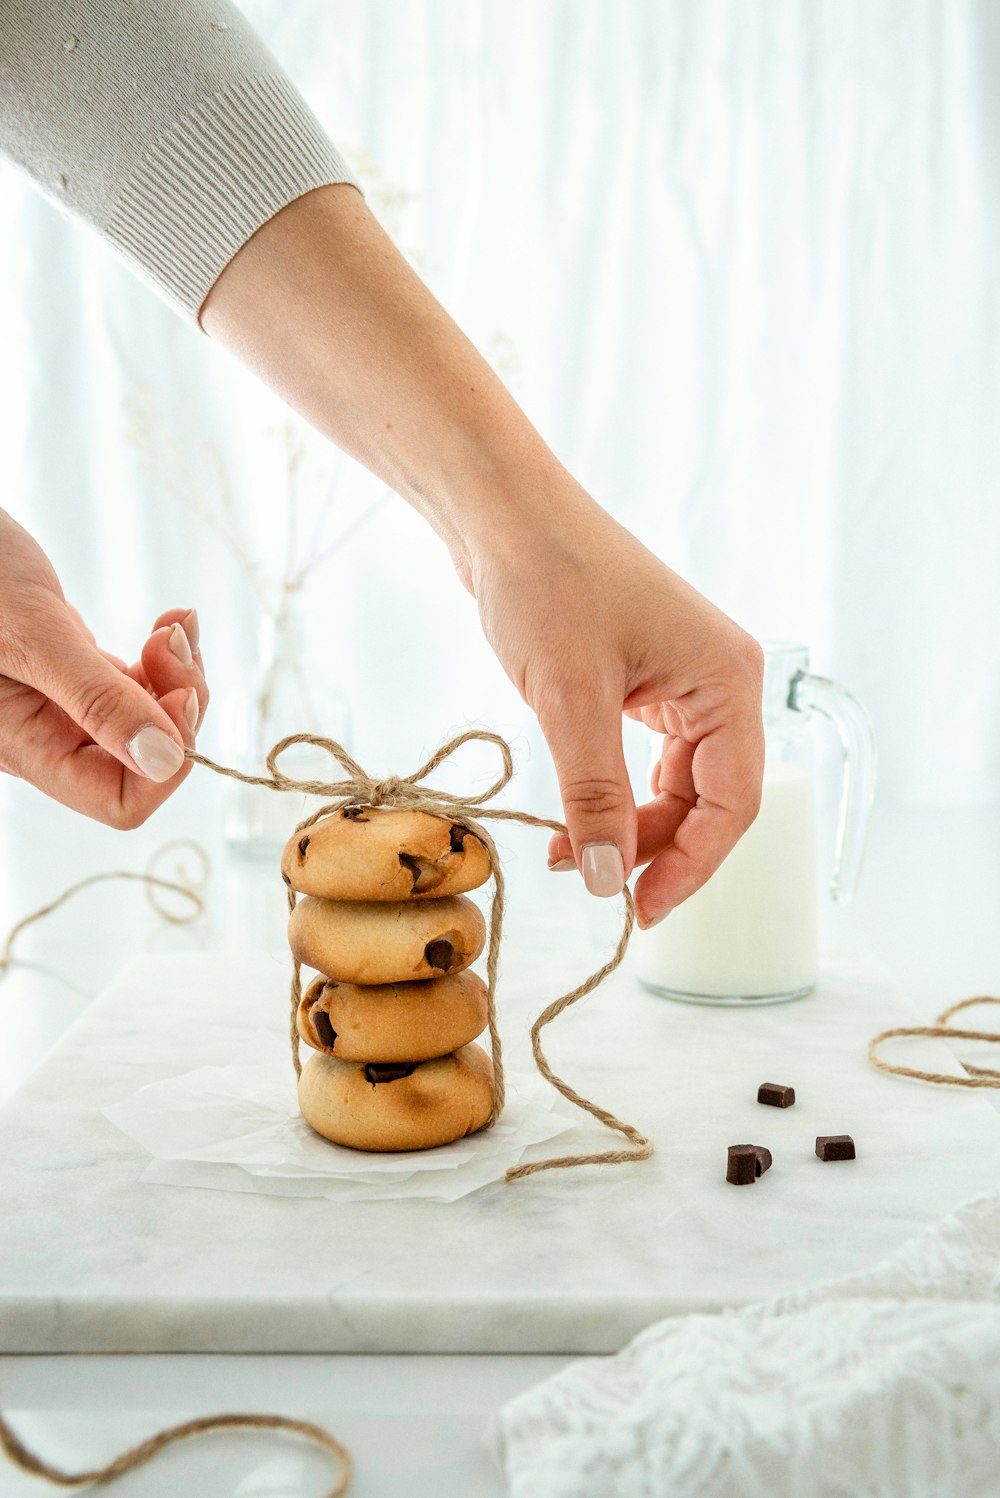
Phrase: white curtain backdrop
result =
(739, 263)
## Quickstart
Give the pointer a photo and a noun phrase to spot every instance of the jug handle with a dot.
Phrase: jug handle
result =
(857, 736)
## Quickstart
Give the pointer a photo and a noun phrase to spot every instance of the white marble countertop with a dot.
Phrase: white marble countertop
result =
(93, 1258)
(926, 909)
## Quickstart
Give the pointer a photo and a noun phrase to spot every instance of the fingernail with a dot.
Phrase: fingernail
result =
(156, 754)
(191, 709)
(563, 865)
(178, 643)
(603, 870)
(192, 628)
(646, 923)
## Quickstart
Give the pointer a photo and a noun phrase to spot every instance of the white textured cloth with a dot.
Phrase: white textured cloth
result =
(883, 1385)
(167, 126)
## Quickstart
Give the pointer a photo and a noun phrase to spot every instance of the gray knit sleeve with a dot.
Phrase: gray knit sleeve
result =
(167, 125)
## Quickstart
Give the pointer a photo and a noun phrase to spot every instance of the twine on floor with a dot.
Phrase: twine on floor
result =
(979, 1076)
(408, 793)
(21, 1456)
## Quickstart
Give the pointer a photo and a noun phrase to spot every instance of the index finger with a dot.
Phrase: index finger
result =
(727, 768)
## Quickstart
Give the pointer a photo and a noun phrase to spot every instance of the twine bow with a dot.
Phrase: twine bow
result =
(408, 792)
(362, 789)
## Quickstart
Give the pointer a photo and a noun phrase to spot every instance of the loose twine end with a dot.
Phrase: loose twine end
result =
(978, 1076)
(21, 1456)
(189, 890)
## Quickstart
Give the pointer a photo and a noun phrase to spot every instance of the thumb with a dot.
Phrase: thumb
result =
(111, 708)
(586, 744)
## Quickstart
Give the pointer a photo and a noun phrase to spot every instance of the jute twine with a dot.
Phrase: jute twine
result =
(22, 1456)
(152, 882)
(979, 1076)
(408, 793)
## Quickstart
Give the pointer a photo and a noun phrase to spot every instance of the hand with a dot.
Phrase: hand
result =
(102, 737)
(587, 624)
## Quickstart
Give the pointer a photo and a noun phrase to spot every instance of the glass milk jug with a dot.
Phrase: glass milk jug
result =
(749, 935)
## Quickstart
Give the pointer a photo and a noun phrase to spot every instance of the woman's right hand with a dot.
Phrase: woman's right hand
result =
(102, 737)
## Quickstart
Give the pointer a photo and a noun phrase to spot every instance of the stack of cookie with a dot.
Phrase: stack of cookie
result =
(394, 1013)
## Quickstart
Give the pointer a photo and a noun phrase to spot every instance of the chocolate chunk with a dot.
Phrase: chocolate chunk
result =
(746, 1162)
(458, 834)
(303, 845)
(355, 814)
(325, 1033)
(775, 1096)
(388, 1071)
(426, 875)
(440, 954)
(835, 1147)
(741, 1165)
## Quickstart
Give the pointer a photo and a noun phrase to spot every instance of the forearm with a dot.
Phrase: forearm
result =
(326, 310)
(168, 127)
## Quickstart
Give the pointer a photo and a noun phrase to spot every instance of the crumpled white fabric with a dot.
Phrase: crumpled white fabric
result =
(885, 1384)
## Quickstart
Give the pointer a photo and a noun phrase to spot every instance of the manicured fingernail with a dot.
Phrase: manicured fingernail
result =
(156, 754)
(192, 628)
(191, 708)
(645, 923)
(178, 643)
(603, 870)
(563, 865)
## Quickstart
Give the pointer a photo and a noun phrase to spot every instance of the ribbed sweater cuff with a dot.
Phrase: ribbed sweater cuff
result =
(213, 179)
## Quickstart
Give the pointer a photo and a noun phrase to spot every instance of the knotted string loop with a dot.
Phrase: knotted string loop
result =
(361, 789)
